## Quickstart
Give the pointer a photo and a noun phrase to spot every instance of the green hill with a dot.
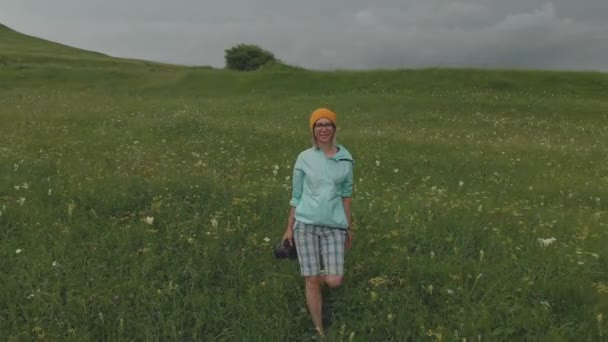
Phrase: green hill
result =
(15, 43)
(20, 49)
(28, 59)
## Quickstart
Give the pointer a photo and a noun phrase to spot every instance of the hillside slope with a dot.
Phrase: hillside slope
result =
(27, 62)
(22, 49)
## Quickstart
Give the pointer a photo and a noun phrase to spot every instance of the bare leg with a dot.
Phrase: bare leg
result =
(314, 299)
(333, 281)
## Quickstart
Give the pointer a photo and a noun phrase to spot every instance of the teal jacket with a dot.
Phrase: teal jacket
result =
(319, 184)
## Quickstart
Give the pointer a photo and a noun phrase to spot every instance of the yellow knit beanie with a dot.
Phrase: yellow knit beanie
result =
(322, 113)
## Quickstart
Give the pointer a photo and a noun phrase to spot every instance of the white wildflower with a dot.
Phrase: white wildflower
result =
(71, 207)
(546, 242)
(50, 192)
(377, 163)
(214, 222)
(21, 200)
(18, 251)
(395, 170)
(55, 263)
(267, 239)
(450, 292)
(149, 219)
(461, 184)
(275, 167)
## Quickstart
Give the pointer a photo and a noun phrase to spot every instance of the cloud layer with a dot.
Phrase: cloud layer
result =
(345, 34)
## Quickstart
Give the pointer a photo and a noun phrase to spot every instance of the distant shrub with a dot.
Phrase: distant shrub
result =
(246, 57)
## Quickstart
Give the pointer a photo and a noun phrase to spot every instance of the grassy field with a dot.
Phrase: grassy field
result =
(141, 201)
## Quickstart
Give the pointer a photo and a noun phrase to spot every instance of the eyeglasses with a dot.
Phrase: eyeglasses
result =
(327, 125)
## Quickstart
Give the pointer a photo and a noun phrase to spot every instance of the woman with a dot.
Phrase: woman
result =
(320, 221)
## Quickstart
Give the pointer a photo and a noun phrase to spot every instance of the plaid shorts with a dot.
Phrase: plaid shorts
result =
(318, 245)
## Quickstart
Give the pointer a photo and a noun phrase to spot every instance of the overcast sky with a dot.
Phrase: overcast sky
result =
(330, 34)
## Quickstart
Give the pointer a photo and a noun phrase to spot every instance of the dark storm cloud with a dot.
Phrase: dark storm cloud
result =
(326, 35)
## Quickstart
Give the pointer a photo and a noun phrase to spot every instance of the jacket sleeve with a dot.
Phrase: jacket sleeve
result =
(297, 183)
(347, 185)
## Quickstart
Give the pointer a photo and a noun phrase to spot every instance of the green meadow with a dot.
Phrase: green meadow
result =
(141, 201)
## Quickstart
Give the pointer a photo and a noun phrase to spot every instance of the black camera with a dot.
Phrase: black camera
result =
(285, 250)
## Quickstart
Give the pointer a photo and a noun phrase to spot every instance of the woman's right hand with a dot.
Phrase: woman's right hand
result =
(288, 235)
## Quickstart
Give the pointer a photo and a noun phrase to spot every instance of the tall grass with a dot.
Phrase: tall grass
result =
(140, 203)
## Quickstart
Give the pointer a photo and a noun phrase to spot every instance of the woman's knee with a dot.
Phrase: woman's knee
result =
(333, 281)
(313, 281)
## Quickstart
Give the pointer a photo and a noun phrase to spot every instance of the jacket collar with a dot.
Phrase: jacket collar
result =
(341, 155)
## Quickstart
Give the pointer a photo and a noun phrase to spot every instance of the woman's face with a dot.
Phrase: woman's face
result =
(324, 131)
